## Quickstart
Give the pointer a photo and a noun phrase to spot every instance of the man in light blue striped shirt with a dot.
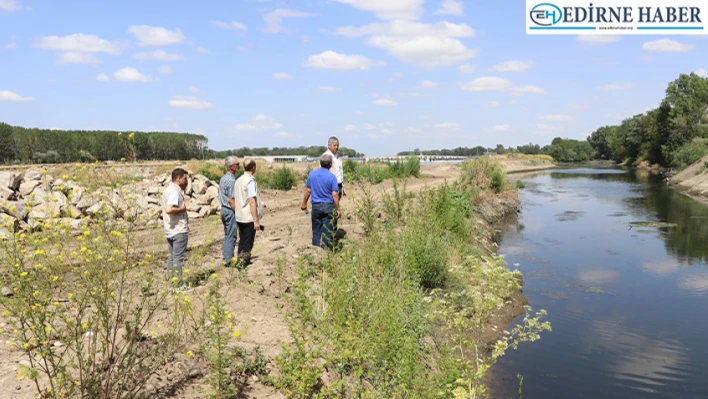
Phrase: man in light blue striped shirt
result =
(226, 199)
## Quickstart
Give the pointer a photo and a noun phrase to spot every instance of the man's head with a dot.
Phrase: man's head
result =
(179, 177)
(333, 144)
(249, 165)
(326, 161)
(231, 164)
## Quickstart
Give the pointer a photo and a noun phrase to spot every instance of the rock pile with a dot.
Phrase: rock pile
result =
(45, 198)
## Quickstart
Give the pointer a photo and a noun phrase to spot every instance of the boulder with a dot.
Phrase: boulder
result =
(28, 186)
(17, 209)
(205, 211)
(5, 192)
(76, 194)
(153, 201)
(193, 207)
(87, 201)
(33, 175)
(60, 199)
(212, 193)
(153, 191)
(9, 222)
(200, 185)
(74, 212)
(190, 187)
(45, 210)
(40, 196)
(193, 215)
(202, 200)
(153, 212)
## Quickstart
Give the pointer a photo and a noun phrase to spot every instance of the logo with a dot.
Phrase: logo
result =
(546, 14)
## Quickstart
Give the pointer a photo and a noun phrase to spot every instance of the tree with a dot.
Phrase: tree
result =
(7, 144)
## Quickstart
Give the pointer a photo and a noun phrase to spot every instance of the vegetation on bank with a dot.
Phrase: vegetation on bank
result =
(377, 172)
(268, 177)
(23, 145)
(397, 314)
(400, 314)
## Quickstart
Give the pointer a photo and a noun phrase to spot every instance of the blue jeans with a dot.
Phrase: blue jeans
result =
(324, 221)
(176, 249)
(228, 219)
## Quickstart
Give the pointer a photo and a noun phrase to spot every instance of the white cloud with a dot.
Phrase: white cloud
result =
(165, 69)
(329, 89)
(367, 126)
(426, 84)
(233, 25)
(286, 135)
(193, 89)
(389, 9)
(11, 46)
(490, 104)
(410, 95)
(130, 74)
(451, 7)
(467, 68)
(282, 76)
(385, 102)
(74, 57)
(556, 118)
(155, 35)
(488, 84)
(78, 42)
(425, 117)
(598, 40)
(341, 62)
(501, 128)
(6, 95)
(158, 55)
(624, 86)
(203, 50)
(578, 106)
(359, 113)
(527, 89)
(667, 46)
(189, 102)
(448, 126)
(11, 5)
(426, 45)
(702, 73)
(258, 123)
(102, 77)
(274, 19)
(512, 66)
(350, 128)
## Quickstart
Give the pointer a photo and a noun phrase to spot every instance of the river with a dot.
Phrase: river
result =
(627, 302)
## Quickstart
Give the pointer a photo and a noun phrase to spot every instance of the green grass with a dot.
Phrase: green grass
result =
(377, 172)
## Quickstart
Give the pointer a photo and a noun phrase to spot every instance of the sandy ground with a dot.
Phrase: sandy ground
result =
(257, 304)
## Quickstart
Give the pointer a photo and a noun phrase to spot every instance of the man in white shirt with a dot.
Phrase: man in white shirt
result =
(248, 211)
(337, 167)
(176, 226)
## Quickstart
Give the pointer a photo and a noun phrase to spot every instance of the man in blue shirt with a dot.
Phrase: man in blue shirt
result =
(322, 186)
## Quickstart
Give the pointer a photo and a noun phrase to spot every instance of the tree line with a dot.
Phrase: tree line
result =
(23, 145)
(675, 134)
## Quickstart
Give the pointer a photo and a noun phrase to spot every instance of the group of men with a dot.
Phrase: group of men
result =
(242, 210)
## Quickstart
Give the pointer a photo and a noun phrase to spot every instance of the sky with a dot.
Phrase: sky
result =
(382, 76)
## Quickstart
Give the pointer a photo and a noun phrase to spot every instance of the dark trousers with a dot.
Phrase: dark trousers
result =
(228, 219)
(324, 222)
(340, 191)
(247, 232)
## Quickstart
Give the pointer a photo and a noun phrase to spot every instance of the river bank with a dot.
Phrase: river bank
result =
(693, 181)
(273, 277)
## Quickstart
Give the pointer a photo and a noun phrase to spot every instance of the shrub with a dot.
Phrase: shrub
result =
(425, 254)
(281, 179)
(689, 153)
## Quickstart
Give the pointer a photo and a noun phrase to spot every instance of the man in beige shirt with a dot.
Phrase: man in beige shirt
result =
(248, 211)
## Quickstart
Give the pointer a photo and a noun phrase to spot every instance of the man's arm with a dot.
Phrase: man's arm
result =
(335, 196)
(172, 208)
(254, 213)
(304, 200)
(232, 203)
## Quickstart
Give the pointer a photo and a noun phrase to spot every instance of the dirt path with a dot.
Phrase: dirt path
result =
(258, 300)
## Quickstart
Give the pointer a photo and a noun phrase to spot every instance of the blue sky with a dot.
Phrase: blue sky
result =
(383, 76)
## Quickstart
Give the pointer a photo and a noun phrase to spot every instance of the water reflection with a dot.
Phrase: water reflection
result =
(622, 297)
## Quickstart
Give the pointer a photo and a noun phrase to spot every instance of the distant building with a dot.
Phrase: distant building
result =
(283, 158)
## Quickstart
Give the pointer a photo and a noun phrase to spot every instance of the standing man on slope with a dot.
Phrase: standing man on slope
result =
(226, 199)
(248, 210)
(337, 168)
(176, 226)
(322, 185)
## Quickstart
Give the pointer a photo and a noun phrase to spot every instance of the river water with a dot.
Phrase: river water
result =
(628, 306)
